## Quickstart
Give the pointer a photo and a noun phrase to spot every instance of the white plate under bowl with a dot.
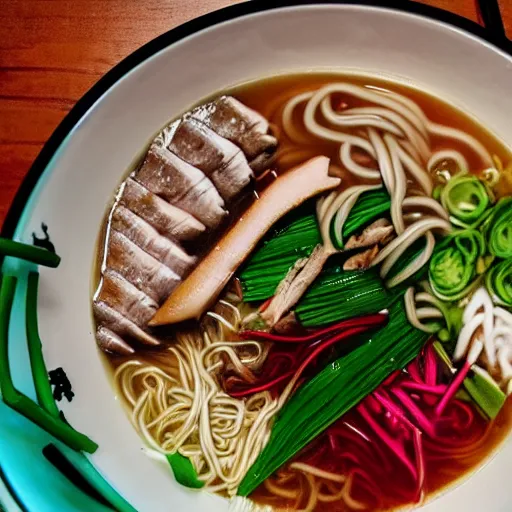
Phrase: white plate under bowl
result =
(77, 184)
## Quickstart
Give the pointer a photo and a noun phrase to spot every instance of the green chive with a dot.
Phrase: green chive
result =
(39, 371)
(19, 402)
(184, 471)
(336, 294)
(369, 207)
(29, 253)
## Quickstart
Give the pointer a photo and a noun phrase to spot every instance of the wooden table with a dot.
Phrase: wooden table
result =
(53, 51)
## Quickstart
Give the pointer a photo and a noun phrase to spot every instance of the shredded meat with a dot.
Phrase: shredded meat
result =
(361, 260)
(379, 232)
(294, 285)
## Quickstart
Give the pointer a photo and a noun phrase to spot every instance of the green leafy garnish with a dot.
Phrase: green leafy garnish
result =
(453, 266)
(334, 391)
(499, 283)
(295, 237)
(466, 198)
(498, 229)
(289, 241)
(184, 471)
(337, 295)
(370, 206)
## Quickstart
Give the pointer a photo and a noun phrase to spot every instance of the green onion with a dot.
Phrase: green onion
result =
(499, 283)
(284, 245)
(405, 260)
(452, 315)
(370, 206)
(453, 266)
(295, 237)
(19, 402)
(184, 471)
(39, 372)
(485, 392)
(498, 229)
(28, 253)
(91, 475)
(465, 197)
(334, 391)
(337, 294)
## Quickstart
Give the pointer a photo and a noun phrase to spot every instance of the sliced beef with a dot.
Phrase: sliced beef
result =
(147, 238)
(119, 294)
(243, 126)
(117, 323)
(170, 221)
(109, 341)
(194, 167)
(140, 268)
(182, 184)
(221, 160)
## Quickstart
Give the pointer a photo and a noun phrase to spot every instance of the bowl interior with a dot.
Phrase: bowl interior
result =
(75, 189)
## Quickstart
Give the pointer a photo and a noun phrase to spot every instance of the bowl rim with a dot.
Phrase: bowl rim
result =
(174, 35)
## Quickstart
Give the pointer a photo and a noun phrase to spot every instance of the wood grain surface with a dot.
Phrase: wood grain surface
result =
(53, 51)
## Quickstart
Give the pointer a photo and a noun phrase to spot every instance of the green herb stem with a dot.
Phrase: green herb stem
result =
(19, 402)
(38, 366)
(334, 391)
(29, 253)
(484, 392)
(184, 471)
(96, 480)
(338, 295)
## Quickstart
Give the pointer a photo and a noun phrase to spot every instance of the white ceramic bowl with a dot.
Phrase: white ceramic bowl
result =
(86, 158)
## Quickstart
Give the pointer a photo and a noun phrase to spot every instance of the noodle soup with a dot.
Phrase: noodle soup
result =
(302, 294)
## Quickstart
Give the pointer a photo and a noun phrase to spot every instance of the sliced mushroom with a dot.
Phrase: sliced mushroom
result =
(119, 294)
(243, 126)
(222, 161)
(119, 324)
(109, 341)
